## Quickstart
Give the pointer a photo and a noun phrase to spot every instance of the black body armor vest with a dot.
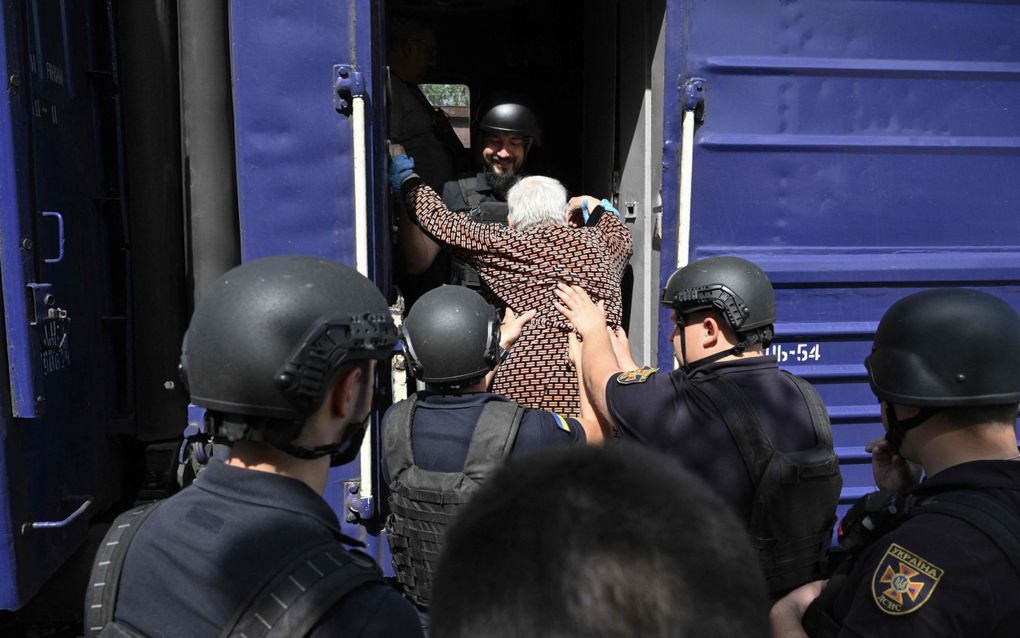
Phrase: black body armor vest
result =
(422, 502)
(791, 533)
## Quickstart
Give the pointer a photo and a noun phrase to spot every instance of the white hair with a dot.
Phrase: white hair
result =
(536, 201)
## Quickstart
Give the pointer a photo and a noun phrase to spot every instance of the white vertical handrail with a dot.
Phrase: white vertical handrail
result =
(360, 185)
(683, 233)
(360, 153)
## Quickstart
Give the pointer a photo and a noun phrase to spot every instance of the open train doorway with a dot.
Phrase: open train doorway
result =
(592, 72)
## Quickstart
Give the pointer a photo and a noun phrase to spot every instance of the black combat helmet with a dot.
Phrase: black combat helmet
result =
(944, 348)
(451, 337)
(735, 287)
(948, 347)
(509, 118)
(268, 338)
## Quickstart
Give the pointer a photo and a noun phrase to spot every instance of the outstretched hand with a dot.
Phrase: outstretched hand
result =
(577, 308)
(513, 324)
(892, 472)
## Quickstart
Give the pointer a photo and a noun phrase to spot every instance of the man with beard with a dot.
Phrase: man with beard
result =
(505, 135)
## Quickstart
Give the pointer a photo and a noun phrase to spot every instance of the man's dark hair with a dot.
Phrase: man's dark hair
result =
(977, 415)
(601, 543)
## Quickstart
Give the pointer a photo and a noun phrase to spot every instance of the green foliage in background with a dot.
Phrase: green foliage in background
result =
(446, 94)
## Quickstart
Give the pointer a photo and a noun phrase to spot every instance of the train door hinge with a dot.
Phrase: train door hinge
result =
(347, 84)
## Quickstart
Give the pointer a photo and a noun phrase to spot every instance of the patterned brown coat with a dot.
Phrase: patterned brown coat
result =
(521, 269)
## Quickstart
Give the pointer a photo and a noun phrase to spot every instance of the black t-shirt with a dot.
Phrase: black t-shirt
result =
(936, 575)
(200, 554)
(666, 414)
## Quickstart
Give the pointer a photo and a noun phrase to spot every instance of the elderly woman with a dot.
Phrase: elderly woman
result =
(547, 241)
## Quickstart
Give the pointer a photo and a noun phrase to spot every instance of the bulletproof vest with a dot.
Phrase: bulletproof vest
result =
(422, 502)
(479, 210)
(310, 583)
(791, 518)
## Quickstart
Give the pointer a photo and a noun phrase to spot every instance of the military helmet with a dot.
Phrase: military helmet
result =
(735, 287)
(947, 347)
(509, 118)
(269, 336)
(451, 336)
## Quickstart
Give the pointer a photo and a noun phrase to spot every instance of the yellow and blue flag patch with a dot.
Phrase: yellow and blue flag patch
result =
(561, 423)
(903, 581)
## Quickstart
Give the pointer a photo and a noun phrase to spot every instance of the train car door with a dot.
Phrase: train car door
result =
(308, 110)
(64, 267)
(857, 152)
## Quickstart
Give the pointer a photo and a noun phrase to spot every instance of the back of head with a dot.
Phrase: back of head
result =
(600, 543)
(734, 287)
(947, 348)
(451, 337)
(266, 341)
(509, 118)
(536, 201)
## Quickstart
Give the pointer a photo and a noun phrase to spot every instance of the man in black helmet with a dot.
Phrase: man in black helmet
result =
(441, 444)
(940, 557)
(505, 133)
(281, 353)
(760, 436)
(504, 136)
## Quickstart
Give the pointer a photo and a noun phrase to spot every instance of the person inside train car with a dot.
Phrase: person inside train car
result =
(281, 352)
(613, 542)
(442, 443)
(504, 135)
(425, 132)
(939, 557)
(757, 434)
(548, 239)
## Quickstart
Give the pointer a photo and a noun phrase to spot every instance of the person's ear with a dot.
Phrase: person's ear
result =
(527, 144)
(345, 392)
(710, 332)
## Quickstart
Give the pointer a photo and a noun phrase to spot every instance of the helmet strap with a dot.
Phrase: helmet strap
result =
(898, 428)
(712, 358)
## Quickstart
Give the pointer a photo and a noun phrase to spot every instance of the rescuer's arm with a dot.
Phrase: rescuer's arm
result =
(587, 417)
(785, 617)
(598, 363)
(621, 348)
(417, 250)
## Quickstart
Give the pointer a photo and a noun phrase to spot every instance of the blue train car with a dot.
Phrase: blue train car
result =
(858, 151)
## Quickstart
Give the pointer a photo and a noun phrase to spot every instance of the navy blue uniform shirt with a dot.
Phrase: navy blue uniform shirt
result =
(954, 581)
(201, 553)
(666, 414)
(443, 425)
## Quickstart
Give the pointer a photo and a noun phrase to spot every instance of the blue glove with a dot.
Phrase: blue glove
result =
(401, 167)
(609, 207)
(584, 210)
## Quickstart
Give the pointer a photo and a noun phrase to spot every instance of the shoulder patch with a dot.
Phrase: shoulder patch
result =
(636, 376)
(903, 581)
(561, 423)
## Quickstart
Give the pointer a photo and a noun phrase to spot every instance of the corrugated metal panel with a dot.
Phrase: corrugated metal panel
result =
(858, 151)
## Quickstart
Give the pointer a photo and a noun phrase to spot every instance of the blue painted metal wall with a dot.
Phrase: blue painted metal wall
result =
(295, 169)
(858, 151)
(65, 320)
